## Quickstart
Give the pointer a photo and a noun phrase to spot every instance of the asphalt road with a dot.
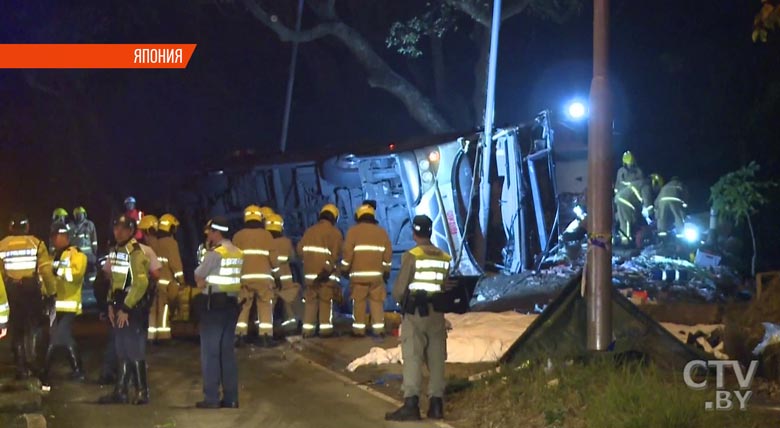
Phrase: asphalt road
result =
(278, 388)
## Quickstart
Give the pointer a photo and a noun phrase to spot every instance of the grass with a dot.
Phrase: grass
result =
(596, 394)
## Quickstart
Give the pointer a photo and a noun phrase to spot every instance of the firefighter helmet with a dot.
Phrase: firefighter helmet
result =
(365, 209)
(332, 209)
(148, 222)
(60, 213)
(656, 181)
(253, 213)
(274, 223)
(267, 212)
(79, 210)
(129, 200)
(167, 222)
(628, 158)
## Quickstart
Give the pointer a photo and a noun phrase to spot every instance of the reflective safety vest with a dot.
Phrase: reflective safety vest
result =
(129, 272)
(5, 310)
(430, 271)
(201, 253)
(69, 269)
(26, 257)
(227, 278)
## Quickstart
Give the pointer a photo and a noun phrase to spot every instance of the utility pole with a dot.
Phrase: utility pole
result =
(487, 142)
(599, 263)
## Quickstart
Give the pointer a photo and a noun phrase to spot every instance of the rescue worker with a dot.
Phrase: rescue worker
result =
(287, 289)
(367, 259)
(148, 227)
(424, 270)
(132, 212)
(70, 266)
(219, 277)
(670, 207)
(110, 359)
(29, 281)
(128, 303)
(257, 281)
(320, 248)
(171, 279)
(84, 237)
(628, 173)
(59, 215)
(632, 201)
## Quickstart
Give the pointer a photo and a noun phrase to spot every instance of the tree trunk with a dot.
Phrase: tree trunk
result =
(753, 239)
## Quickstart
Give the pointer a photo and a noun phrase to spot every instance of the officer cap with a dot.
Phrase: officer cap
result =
(58, 227)
(220, 224)
(423, 225)
(125, 221)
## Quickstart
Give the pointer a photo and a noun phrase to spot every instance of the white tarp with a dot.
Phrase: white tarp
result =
(485, 336)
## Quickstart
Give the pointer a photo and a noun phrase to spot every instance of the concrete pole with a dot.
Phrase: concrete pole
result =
(290, 83)
(599, 269)
(487, 147)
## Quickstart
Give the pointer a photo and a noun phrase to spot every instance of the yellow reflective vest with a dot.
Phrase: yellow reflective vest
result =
(129, 273)
(5, 310)
(69, 269)
(227, 277)
(26, 257)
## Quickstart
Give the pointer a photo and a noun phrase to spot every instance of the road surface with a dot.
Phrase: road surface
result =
(278, 388)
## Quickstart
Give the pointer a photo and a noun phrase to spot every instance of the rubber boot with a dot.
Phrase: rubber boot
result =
(436, 408)
(141, 383)
(45, 381)
(410, 411)
(119, 395)
(77, 372)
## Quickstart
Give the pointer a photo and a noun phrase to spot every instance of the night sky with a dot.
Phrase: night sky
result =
(694, 96)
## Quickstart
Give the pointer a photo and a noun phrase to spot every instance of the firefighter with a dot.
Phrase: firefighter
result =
(59, 215)
(288, 289)
(128, 298)
(148, 227)
(257, 281)
(320, 247)
(26, 269)
(424, 270)
(133, 212)
(219, 276)
(171, 279)
(670, 206)
(367, 258)
(628, 173)
(84, 237)
(70, 266)
(633, 200)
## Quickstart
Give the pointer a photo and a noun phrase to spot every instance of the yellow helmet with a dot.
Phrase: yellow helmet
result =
(167, 221)
(148, 222)
(274, 223)
(330, 208)
(656, 181)
(365, 209)
(253, 213)
(628, 158)
(267, 212)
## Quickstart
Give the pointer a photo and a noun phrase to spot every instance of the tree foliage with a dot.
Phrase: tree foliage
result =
(738, 195)
(766, 20)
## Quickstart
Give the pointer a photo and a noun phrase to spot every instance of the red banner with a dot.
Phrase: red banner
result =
(96, 56)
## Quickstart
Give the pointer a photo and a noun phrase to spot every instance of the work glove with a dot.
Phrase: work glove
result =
(323, 276)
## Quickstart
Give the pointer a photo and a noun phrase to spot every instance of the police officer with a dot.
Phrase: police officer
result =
(23, 260)
(171, 279)
(128, 299)
(424, 270)
(320, 247)
(257, 281)
(219, 277)
(288, 289)
(367, 259)
(70, 266)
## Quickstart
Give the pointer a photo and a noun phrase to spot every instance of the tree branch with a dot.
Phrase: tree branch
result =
(285, 33)
(475, 10)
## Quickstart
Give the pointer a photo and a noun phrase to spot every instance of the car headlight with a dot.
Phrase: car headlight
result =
(424, 165)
